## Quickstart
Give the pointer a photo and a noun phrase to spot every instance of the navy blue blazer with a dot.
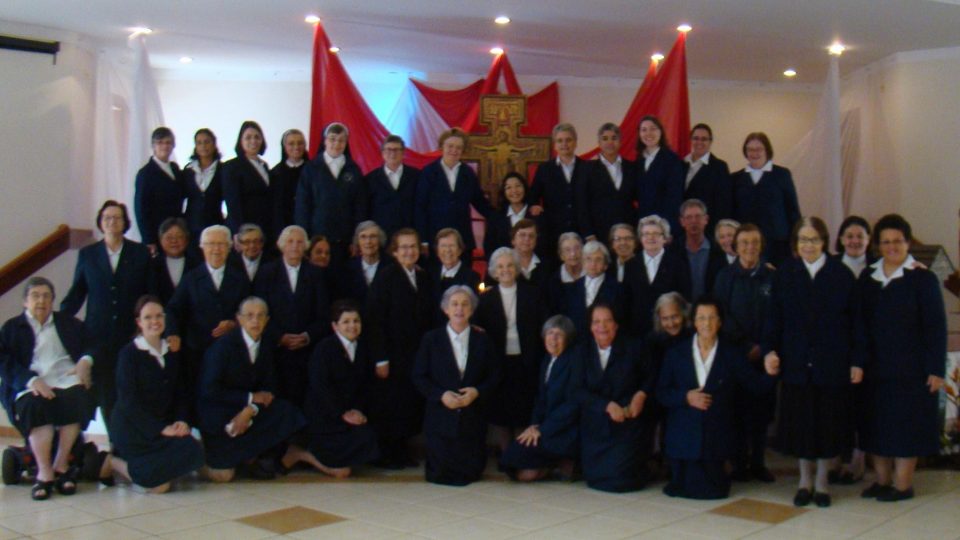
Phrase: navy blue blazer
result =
(560, 199)
(660, 188)
(711, 185)
(197, 307)
(594, 388)
(575, 301)
(435, 372)
(149, 397)
(204, 208)
(291, 312)
(641, 295)
(811, 323)
(437, 207)
(162, 284)
(901, 329)
(249, 198)
(771, 204)
(156, 198)
(110, 295)
(464, 276)
(390, 208)
(17, 341)
(337, 384)
(693, 434)
(555, 411)
(228, 377)
(331, 206)
(530, 316)
(499, 228)
(746, 297)
(398, 315)
(235, 259)
(285, 181)
(353, 284)
(603, 205)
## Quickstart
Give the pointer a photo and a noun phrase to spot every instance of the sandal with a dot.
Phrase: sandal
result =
(41, 491)
(66, 482)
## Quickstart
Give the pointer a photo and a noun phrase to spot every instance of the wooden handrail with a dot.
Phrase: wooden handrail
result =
(35, 258)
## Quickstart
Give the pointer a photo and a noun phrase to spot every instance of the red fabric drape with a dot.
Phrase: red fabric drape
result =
(449, 103)
(543, 111)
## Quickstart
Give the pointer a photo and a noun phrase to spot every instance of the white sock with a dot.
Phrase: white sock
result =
(806, 473)
(823, 469)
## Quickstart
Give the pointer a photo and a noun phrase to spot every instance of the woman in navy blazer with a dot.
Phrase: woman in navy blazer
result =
(764, 194)
(203, 185)
(810, 330)
(596, 286)
(158, 189)
(449, 267)
(174, 260)
(552, 439)
(901, 346)
(711, 181)
(439, 205)
(340, 373)
(699, 381)
(611, 382)
(606, 199)
(511, 313)
(285, 176)
(110, 276)
(641, 292)
(659, 173)
(298, 311)
(151, 437)
(513, 207)
(246, 184)
(358, 273)
(392, 207)
(556, 187)
(456, 371)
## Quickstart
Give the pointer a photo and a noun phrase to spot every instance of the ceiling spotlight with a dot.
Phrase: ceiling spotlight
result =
(503, 19)
(496, 50)
(334, 49)
(836, 49)
(138, 30)
(185, 59)
(684, 28)
(790, 73)
(657, 57)
(311, 19)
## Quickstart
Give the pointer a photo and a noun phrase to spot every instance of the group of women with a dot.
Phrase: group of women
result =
(580, 349)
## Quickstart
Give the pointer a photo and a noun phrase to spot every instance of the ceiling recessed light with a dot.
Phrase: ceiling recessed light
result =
(496, 50)
(837, 48)
(311, 19)
(657, 57)
(185, 59)
(684, 28)
(334, 49)
(790, 73)
(503, 19)
(137, 30)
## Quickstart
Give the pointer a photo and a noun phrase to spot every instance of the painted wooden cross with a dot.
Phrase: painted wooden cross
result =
(503, 149)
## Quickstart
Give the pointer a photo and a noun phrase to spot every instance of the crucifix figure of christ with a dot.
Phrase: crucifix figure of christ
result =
(503, 149)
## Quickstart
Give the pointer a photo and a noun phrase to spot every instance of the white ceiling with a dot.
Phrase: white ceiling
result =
(753, 40)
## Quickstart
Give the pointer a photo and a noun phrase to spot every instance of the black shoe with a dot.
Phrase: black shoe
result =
(848, 479)
(763, 474)
(803, 497)
(822, 500)
(672, 490)
(66, 482)
(875, 491)
(893, 495)
(740, 475)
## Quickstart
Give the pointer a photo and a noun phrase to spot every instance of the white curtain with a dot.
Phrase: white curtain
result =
(414, 119)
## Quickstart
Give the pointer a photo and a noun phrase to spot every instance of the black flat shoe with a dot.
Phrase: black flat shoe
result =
(763, 474)
(874, 491)
(41, 491)
(66, 482)
(803, 497)
(822, 500)
(672, 490)
(848, 479)
(894, 495)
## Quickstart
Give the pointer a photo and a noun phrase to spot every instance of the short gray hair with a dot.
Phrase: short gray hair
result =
(726, 222)
(657, 221)
(249, 227)
(38, 281)
(564, 126)
(504, 252)
(675, 298)
(459, 289)
(594, 246)
(570, 235)
(214, 229)
(562, 323)
(253, 300)
(693, 202)
(287, 231)
(367, 225)
(621, 227)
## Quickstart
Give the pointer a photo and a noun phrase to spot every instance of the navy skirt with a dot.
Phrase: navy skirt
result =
(271, 427)
(901, 418)
(74, 405)
(352, 446)
(814, 421)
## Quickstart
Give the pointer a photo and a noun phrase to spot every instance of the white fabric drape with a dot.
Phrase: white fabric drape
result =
(414, 119)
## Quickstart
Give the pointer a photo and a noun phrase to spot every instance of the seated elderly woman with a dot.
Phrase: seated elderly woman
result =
(653, 272)
(359, 271)
(457, 368)
(240, 419)
(698, 382)
(151, 438)
(570, 250)
(724, 233)
(45, 380)
(594, 287)
(552, 438)
(611, 384)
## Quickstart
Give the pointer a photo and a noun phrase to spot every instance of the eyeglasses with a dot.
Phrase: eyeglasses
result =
(652, 234)
(809, 240)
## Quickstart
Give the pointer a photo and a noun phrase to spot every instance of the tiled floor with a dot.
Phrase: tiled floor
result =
(305, 506)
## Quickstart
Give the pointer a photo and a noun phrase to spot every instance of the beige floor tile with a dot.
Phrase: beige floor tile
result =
(524, 492)
(102, 530)
(649, 514)
(531, 516)
(586, 501)
(471, 529)
(663, 534)
(892, 530)
(834, 521)
(55, 518)
(243, 505)
(227, 530)
(596, 527)
(714, 526)
(168, 521)
(757, 510)
(470, 504)
(119, 503)
(411, 493)
(290, 519)
(410, 518)
(197, 493)
(354, 505)
(345, 530)
(7, 534)
(781, 532)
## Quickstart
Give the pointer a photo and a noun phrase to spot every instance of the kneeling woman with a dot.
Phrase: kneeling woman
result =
(698, 382)
(151, 438)
(552, 439)
(456, 369)
(340, 372)
(242, 423)
(611, 384)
